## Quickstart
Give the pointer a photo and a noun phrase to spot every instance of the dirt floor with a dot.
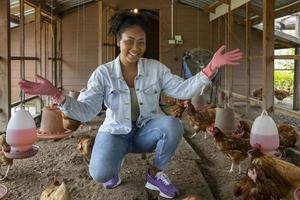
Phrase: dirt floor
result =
(192, 174)
(29, 177)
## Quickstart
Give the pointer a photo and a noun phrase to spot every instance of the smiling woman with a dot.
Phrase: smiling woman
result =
(132, 84)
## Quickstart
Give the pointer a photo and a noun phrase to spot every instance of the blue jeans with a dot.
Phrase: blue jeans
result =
(161, 135)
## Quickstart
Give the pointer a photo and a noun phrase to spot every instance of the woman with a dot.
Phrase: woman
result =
(130, 87)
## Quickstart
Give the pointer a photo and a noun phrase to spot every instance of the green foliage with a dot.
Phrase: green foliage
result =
(284, 79)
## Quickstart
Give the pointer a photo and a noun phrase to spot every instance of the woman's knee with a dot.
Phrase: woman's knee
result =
(173, 126)
(101, 175)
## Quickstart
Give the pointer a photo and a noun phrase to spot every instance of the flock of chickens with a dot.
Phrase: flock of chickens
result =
(278, 93)
(266, 177)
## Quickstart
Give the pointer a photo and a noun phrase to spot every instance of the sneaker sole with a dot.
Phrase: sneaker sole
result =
(153, 187)
(118, 183)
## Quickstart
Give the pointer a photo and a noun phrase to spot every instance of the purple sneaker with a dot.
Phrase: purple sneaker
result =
(162, 184)
(112, 183)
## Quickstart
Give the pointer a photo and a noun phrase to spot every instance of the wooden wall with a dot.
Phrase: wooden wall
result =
(79, 61)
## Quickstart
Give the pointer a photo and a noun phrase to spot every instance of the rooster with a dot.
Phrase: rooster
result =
(235, 148)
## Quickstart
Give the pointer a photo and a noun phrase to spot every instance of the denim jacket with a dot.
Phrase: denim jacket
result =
(107, 84)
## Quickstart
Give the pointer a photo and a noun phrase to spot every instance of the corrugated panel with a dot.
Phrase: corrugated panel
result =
(197, 3)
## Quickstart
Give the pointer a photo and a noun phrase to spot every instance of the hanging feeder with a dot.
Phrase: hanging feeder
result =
(20, 135)
(265, 133)
(225, 120)
(52, 124)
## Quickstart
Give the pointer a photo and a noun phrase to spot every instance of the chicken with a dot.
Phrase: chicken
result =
(281, 94)
(200, 120)
(69, 123)
(243, 130)
(166, 100)
(235, 148)
(287, 135)
(4, 161)
(85, 146)
(257, 93)
(192, 197)
(54, 191)
(259, 184)
(288, 171)
(177, 110)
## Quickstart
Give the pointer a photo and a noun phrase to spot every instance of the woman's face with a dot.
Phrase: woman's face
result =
(132, 44)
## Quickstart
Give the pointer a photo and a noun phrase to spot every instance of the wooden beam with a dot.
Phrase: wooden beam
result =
(296, 97)
(287, 57)
(5, 91)
(213, 6)
(228, 69)
(268, 52)
(278, 109)
(38, 36)
(248, 47)
(100, 34)
(22, 44)
(287, 9)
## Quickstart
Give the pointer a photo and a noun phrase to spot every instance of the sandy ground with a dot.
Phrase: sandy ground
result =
(28, 177)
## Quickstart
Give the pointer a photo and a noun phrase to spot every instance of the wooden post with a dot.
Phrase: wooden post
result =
(5, 99)
(38, 36)
(100, 29)
(268, 52)
(22, 44)
(228, 69)
(248, 46)
(296, 100)
(54, 56)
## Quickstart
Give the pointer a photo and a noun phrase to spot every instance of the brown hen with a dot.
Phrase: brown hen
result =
(235, 148)
(85, 146)
(287, 135)
(200, 120)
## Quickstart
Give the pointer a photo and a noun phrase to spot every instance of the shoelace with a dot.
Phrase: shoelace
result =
(162, 176)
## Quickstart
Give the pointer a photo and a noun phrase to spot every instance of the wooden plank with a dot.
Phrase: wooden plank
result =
(5, 99)
(268, 53)
(296, 97)
(287, 57)
(100, 29)
(23, 58)
(248, 47)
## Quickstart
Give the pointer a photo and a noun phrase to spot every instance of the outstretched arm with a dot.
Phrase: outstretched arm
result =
(42, 87)
(220, 59)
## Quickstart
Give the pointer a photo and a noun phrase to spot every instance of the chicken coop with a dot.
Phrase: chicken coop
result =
(64, 41)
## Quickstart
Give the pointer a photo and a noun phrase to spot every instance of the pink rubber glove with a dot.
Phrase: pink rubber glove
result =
(219, 60)
(41, 87)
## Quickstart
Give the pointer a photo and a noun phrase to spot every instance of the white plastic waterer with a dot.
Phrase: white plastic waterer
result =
(265, 133)
(21, 131)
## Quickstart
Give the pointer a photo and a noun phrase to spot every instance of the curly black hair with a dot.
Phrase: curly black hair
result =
(124, 19)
